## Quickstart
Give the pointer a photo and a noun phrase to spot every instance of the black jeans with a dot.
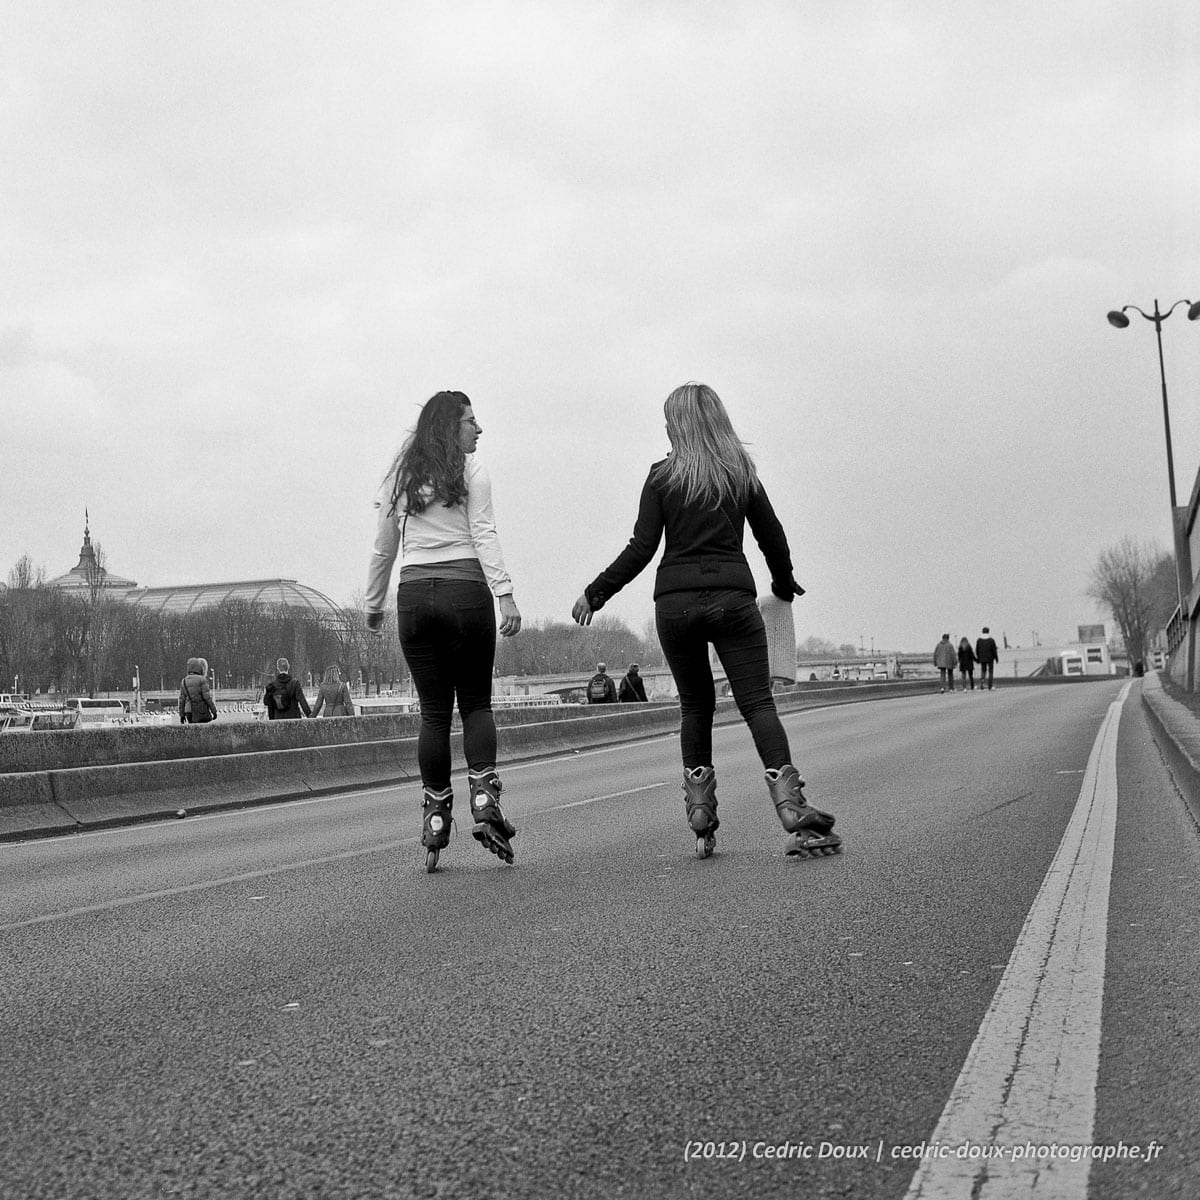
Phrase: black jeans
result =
(448, 635)
(687, 623)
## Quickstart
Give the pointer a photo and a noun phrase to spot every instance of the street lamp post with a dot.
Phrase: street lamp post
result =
(1119, 320)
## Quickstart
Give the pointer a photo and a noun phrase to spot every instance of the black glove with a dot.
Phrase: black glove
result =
(374, 621)
(788, 591)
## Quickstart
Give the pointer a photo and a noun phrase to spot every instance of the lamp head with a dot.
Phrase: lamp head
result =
(1119, 320)
(1194, 311)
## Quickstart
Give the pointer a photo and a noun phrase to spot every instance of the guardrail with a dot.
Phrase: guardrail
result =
(65, 782)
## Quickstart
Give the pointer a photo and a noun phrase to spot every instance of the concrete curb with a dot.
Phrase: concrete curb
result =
(206, 768)
(1176, 730)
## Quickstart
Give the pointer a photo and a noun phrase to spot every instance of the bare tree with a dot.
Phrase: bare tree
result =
(1136, 583)
(25, 575)
(816, 647)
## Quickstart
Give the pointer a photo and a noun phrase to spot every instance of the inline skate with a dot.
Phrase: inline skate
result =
(435, 825)
(492, 829)
(811, 829)
(700, 804)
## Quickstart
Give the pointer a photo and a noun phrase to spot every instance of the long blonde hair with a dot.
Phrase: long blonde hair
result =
(708, 462)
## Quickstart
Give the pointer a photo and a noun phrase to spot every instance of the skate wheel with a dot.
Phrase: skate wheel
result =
(431, 861)
(704, 845)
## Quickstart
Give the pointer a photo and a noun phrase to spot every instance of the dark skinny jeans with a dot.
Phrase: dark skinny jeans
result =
(687, 623)
(448, 635)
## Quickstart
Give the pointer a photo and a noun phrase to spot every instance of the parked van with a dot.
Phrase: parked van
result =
(95, 712)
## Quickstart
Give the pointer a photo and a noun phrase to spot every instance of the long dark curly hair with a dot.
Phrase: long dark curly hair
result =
(431, 462)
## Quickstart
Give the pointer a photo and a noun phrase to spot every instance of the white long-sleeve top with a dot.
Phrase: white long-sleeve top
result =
(438, 534)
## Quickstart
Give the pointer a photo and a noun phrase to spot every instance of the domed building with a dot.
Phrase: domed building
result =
(89, 575)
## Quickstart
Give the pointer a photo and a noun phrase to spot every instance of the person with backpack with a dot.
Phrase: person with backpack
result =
(284, 697)
(435, 511)
(701, 497)
(196, 705)
(600, 688)
(632, 687)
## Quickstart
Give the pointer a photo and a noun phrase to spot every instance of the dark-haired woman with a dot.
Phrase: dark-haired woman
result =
(701, 496)
(435, 510)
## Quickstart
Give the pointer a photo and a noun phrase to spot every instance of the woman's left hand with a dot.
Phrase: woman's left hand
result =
(510, 617)
(582, 612)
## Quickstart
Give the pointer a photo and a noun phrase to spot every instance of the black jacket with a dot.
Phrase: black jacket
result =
(704, 546)
(985, 651)
(293, 696)
(632, 688)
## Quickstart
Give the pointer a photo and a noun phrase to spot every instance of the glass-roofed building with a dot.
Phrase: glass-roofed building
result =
(189, 597)
(88, 573)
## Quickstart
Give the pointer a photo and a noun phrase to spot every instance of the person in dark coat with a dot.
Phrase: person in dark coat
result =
(333, 695)
(632, 687)
(987, 656)
(966, 663)
(196, 705)
(600, 688)
(284, 697)
(945, 660)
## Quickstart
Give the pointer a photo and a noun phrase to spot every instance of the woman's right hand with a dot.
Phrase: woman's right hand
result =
(510, 617)
(582, 612)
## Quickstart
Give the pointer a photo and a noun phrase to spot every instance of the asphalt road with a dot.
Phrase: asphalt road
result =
(281, 1003)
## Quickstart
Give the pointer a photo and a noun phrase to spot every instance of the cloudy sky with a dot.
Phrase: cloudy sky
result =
(240, 244)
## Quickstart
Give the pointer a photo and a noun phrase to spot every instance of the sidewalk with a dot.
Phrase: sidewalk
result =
(1176, 729)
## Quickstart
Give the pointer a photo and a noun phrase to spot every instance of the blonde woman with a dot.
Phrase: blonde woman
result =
(701, 496)
(333, 695)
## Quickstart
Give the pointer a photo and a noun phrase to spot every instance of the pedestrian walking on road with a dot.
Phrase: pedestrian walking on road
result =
(987, 656)
(701, 496)
(284, 696)
(945, 659)
(435, 512)
(333, 695)
(966, 663)
(632, 687)
(196, 705)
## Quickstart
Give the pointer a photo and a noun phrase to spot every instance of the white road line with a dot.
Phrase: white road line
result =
(201, 885)
(300, 864)
(1029, 1080)
(649, 787)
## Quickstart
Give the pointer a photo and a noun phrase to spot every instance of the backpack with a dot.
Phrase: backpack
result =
(279, 693)
(597, 688)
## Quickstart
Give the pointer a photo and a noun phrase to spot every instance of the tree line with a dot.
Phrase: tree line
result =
(52, 640)
(93, 642)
